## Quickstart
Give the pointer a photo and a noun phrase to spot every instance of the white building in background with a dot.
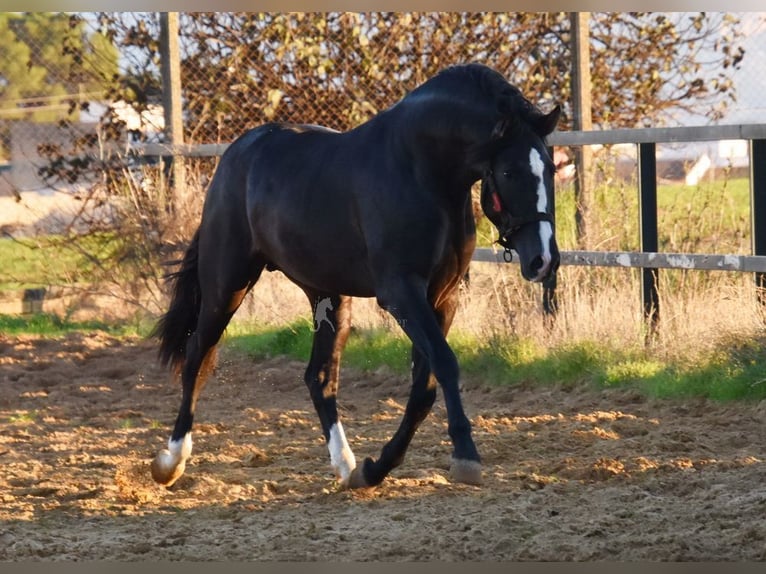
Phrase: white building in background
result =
(150, 122)
(26, 137)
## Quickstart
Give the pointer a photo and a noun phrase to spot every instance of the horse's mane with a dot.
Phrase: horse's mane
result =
(466, 80)
(476, 84)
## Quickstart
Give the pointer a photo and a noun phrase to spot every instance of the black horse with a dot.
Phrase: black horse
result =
(383, 210)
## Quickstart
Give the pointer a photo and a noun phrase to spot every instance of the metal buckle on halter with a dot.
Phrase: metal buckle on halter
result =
(512, 225)
(505, 242)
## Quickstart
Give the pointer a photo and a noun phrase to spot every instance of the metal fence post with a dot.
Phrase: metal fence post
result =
(647, 189)
(758, 207)
(550, 300)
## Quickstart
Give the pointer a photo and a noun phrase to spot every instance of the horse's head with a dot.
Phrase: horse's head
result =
(516, 193)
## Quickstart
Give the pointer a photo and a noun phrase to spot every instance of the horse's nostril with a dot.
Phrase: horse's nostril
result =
(536, 264)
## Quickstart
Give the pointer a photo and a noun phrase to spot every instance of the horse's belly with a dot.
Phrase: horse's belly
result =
(329, 274)
(330, 263)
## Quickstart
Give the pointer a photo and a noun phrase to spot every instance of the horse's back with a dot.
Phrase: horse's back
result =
(327, 208)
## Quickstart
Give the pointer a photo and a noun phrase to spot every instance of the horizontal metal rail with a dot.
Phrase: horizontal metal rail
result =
(660, 135)
(741, 263)
(185, 150)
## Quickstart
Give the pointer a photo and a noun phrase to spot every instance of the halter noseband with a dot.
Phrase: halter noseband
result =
(509, 224)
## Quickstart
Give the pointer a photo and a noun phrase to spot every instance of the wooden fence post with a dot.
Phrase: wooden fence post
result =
(171, 100)
(581, 121)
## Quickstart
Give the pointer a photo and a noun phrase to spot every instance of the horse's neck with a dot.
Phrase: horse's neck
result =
(442, 163)
(445, 129)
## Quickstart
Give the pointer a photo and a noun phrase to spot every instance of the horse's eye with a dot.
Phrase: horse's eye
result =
(509, 173)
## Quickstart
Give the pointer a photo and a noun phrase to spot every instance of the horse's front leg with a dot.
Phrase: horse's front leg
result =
(426, 327)
(323, 372)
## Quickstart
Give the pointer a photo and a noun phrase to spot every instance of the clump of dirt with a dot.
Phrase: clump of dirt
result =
(570, 474)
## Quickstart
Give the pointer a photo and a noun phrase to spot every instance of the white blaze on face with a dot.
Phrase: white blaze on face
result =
(537, 166)
(341, 457)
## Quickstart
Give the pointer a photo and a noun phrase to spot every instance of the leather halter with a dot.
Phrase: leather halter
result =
(509, 224)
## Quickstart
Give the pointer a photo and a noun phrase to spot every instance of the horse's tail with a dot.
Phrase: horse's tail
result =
(176, 326)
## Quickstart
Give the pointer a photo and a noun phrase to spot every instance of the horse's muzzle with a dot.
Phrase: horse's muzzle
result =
(536, 245)
(539, 268)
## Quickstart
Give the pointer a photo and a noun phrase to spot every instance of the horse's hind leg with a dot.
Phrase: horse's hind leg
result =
(170, 463)
(332, 324)
(217, 308)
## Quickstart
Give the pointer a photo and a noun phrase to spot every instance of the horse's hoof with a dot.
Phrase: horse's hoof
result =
(466, 471)
(165, 471)
(356, 479)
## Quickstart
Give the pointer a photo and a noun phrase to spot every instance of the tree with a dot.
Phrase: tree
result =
(646, 65)
(49, 67)
(44, 55)
(18, 79)
(338, 69)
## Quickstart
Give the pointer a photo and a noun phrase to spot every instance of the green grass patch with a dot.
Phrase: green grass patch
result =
(736, 371)
(730, 374)
(51, 325)
(52, 260)
(366, 350)
(514, 361)
(712, 217)
(23, 417)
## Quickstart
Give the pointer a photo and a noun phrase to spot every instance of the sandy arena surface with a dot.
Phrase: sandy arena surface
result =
(570, 474)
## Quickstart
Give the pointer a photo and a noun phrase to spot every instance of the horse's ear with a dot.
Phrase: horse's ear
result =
(500, 128)
(504, 127)
(546, 123)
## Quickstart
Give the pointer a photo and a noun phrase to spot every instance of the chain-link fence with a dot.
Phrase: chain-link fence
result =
(64, 77)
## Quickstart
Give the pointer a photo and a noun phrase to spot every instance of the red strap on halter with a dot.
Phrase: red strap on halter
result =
(496, 205)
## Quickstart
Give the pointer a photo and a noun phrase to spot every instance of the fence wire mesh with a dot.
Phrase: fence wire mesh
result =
(70, 81)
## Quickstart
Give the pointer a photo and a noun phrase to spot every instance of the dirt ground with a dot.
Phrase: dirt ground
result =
(570, 474)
